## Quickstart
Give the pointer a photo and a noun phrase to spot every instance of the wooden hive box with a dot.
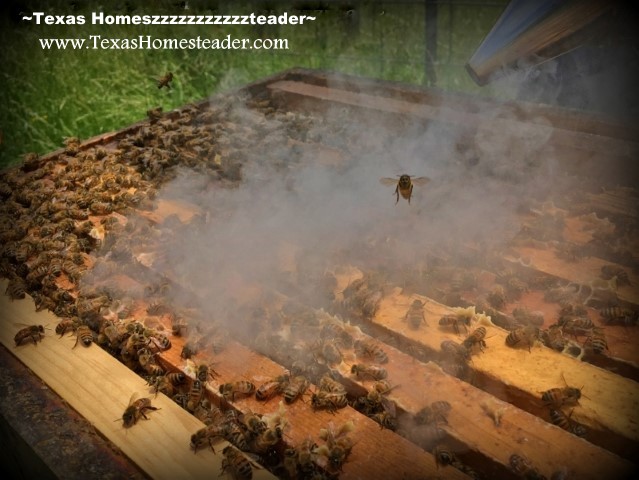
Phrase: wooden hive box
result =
(250, 234)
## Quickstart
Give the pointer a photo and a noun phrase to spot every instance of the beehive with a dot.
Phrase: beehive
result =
(250, 233)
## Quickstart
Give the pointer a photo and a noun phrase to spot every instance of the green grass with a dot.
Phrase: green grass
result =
(47, 95)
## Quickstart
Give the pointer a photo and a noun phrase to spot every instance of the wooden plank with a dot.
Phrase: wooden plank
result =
(533, 113)
(398, 458)
(548, 447)
(584, 272)
(610, 407)
(99, 388)
(604, 146)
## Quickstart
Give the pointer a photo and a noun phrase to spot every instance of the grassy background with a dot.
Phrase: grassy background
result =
(47, 95)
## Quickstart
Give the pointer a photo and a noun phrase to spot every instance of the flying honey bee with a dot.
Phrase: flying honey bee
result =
(137, 408)
(165, 81)
(404, 186)
(34, 334)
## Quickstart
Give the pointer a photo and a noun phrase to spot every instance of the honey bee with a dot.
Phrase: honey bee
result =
(269, 389)
(404, 186)
(146, 358)
(195, 395)
(162, 384)
(597, 340)
(135, 410)
(330, 401)
(523, 467)
(476, 338)
(338, 445)
(559, 418)
(369, 348)
(296, 388)
(298, 461)
(454, 351)
(444, 456)
(254, 423)
(373, 372)
(83, 334)
(165, 81)
(34, 333)
(619, 316)
(608, 272)
(203, 372)
(337, 333)
(553, 337)
(267, 439)
(178, 325)
(208, 413)
(176, 378)
(561, 396)
(525, 336)
(575, 325)
(497, 297)
(436, 412)
(234, 432)
(526, 317)
(236, 464)
(415, 314)
(242, 387)
(453, 320)
(385, 419)
(154, 114)
(16, 289)
(206, 435)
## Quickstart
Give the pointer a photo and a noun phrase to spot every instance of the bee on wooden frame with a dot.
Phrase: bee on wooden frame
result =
(137, 408)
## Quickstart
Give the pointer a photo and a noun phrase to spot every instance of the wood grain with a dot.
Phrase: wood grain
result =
(99, 388)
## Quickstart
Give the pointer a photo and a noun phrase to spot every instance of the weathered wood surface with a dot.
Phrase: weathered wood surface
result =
(376, 451)
(612, 399)
(99, 388)
(604, 146)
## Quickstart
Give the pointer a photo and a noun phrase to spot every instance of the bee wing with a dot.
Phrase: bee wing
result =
(420, 180)
(389, 406)
(388, 181)
(134, 397)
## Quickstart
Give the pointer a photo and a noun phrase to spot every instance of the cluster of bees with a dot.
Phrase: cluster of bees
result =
(556, 400)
